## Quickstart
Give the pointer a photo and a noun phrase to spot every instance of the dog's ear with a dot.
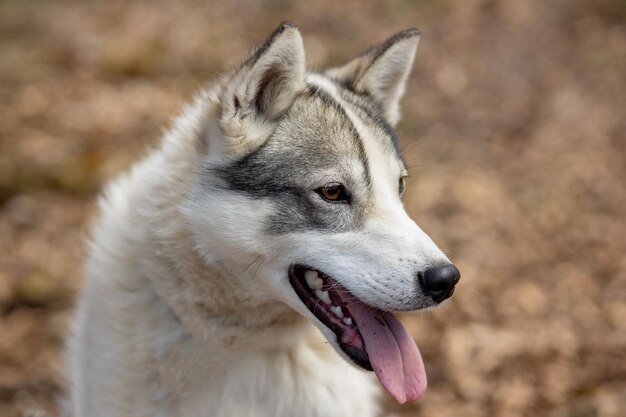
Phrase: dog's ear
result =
(262, 89)
(381, 72)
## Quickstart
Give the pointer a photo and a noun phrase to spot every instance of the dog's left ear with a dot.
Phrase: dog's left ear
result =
(381, 72)
(261, 90)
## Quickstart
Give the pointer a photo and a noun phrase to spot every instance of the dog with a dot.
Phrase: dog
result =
(249, 265)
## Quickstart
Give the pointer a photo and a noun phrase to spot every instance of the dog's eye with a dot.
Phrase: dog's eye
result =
(333, 192)
(402, 186)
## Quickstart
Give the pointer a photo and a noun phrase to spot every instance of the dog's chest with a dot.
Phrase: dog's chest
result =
(306, 383)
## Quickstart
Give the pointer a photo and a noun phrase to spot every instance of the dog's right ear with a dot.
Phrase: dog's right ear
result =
(261, 90)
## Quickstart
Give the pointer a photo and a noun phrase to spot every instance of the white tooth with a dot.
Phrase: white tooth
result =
(317, 284)
(337, 311)
(348, 321)
(323, 295)
(310, 277)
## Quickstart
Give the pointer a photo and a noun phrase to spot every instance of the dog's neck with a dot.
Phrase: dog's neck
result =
(222, 300)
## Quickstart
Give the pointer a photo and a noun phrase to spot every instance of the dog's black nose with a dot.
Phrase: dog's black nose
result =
(439, 281)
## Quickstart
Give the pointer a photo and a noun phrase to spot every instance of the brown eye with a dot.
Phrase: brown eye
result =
(333, 192)
(402, 186)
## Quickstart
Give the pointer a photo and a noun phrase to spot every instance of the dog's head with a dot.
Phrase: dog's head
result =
(302, 186)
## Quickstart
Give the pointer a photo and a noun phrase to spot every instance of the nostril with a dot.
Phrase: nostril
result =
(439, 281)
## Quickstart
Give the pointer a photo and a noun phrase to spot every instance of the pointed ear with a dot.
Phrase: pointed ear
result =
(263, 87)
(382, 71)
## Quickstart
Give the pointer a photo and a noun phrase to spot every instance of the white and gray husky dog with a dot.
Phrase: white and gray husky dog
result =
(266, 228)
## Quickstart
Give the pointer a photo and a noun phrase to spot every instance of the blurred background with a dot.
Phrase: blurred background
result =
(514, 128)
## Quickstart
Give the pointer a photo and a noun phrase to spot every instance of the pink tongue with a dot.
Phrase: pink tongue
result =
(392, 352)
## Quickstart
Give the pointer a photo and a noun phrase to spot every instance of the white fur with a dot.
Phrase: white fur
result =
(131, 356)
(187, 310)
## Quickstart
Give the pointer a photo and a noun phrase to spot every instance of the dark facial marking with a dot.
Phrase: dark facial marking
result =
(328, 100)
(315, 136)
(365, 106)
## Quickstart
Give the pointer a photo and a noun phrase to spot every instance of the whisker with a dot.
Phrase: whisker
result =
(250, 264)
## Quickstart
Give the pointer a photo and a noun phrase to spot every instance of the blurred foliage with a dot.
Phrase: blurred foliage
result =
(514, 127)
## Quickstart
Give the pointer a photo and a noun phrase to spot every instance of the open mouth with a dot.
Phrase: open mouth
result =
(373, 339)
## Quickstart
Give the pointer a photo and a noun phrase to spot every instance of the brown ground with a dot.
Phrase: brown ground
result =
(515, 128)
